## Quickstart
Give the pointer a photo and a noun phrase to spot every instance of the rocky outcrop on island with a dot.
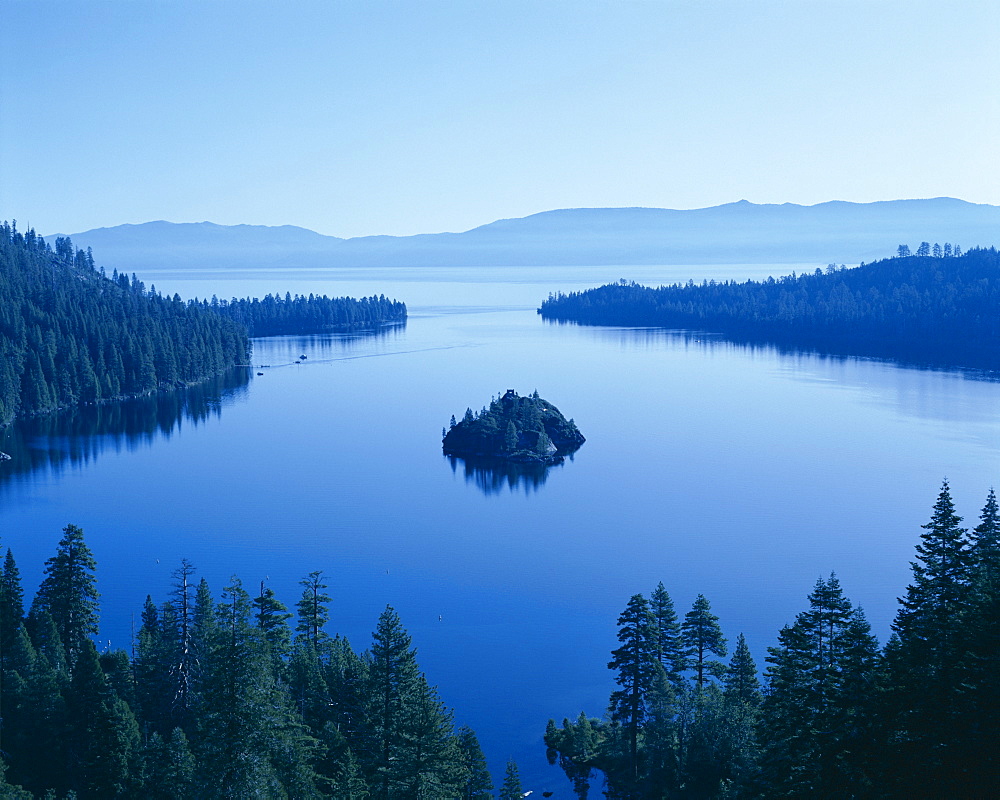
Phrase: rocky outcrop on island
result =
(514, 428)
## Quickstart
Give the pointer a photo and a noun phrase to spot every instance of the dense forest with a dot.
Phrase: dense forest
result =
(927, 308)
(70, 335)
(229, 697)
(275, 315)
(836, 717)
(513, 428)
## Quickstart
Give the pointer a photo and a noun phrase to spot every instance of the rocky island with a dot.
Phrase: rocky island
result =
(527, 430)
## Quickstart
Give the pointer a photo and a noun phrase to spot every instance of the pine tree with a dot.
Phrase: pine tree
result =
(927, 665)
(985, 544)
(976, 742)
(817, 726)
(249, 741)
(170, 767)
(638, 667)
(742, 698)
(668, 634)
(11, 606)
(477, 784)
(510, 438)
(938, 594)
(741, 682)
(104, 737)
(69, 594)
(701, 636)
(272, 618)
(511, 789)
(429, 761)
(392, 683)
(312, 609)
(153, 663)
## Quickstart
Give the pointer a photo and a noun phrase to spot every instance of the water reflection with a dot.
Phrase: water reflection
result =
(496, 475)
(77, 436)
(974, 363)
(275, 351)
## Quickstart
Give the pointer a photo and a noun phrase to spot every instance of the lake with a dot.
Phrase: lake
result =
(738, 472)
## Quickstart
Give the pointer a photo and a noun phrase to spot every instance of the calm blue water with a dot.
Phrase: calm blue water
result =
(740, 473)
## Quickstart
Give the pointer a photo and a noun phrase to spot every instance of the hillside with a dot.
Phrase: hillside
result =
(740, 232)
(925, 309)
(69, 335)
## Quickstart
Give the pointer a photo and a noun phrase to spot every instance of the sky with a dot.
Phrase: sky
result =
(357, 118)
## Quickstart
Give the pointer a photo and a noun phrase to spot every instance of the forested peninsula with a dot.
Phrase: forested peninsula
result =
(275, 315)
(837, 716)
(70, 335)
(935, 307)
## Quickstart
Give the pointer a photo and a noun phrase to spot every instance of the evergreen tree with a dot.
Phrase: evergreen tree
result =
(477, 784)
(638, 667)
(170, 767)
(312, 608)
(741, 682)
(511, 789)
(154, 659)
(938, 594)
(742, 698)
(11, 606)
(104, 737)
(701, 637)
(272, 618)
(510, 438)
(249, 740)
(975, 744)
(985, 544)
(429, 760)
(392, 683)
(927, 664)
(668, 634)
(818, 728)
(69, 594)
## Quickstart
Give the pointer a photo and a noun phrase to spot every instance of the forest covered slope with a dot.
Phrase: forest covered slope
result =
(941, 309)
(70, 335)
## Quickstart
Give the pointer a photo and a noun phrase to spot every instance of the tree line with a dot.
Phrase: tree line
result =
(836, 716)
(925, 249)
(275, 315)
(917, 308)
(221, 698)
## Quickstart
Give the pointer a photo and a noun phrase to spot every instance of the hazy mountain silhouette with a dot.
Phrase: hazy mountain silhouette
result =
(740, 232)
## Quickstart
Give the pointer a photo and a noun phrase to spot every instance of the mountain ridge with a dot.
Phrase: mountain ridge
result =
(738, 232)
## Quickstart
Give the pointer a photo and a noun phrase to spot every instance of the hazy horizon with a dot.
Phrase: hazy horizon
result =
(503, 219)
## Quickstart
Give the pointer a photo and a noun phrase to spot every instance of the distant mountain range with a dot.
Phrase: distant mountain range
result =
(740, 232)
